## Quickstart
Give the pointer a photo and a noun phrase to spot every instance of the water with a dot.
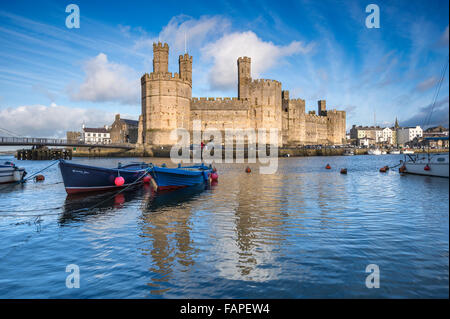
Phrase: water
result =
(305, 232)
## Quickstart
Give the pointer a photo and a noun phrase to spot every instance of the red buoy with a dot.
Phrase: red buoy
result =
(426, 168)
(119, 181)
(39, 178)
(248, 170)
(214, 177)
(328, 166)
(146, 179)
(344, 171)
(402, 169)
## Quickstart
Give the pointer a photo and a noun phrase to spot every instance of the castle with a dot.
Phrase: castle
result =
(167, 104)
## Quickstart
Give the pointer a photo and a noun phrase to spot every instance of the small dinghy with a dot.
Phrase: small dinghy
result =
(80, 178)
(10, 173)
(179, 177)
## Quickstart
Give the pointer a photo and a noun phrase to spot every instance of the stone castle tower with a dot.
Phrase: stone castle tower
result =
(167, 105)
(166, 98)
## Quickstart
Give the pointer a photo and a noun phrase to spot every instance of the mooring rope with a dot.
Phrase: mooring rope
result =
(32, 175)
(76, 210)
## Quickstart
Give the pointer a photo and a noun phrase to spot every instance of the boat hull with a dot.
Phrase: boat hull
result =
(174, 178)
(79, 178)
(438, 170)
(11, 174)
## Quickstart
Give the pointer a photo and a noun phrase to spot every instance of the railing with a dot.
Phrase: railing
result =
(55, 141)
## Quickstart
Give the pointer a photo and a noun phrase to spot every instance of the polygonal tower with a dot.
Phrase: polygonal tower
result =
(166, 98)
(244, 77)
(322, 107)
(185, 67)
(160, 58)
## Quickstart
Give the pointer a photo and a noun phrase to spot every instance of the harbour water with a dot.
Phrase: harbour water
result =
(304, 232)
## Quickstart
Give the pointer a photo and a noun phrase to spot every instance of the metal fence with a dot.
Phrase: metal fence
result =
(5, 140)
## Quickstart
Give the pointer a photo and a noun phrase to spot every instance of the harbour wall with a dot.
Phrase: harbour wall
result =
(164, 151)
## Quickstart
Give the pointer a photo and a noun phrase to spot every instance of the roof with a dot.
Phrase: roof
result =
(130, 122)
(95, 130)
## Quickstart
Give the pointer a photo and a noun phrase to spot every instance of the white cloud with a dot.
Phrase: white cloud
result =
(225, 51)
(107, 81)
(197, 31)
(51, 121)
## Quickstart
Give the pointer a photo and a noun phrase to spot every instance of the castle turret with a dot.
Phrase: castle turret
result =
(322, 108)
(244, 77)
(185, 67)
(160, 57)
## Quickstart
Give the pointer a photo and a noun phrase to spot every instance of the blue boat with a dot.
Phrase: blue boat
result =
(179, 177)
(80, 178)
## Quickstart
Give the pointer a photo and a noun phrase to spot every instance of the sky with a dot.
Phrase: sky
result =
(54, 79)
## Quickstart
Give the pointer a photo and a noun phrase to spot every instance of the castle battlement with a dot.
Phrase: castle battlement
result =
(218, 99)
(266, 82)
(160, 46)
(314, 118)
(168, 76)
(245, 59)
(185, 57)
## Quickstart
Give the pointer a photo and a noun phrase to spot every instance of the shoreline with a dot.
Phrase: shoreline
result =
(282, 152)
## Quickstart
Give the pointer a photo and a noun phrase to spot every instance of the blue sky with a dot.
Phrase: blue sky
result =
(53, 79)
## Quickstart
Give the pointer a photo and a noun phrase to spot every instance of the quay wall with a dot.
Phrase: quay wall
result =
(164, 151)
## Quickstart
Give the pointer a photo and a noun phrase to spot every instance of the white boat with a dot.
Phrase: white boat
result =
(374, 151)
(10, 173)
(396, 152)
(426, 164)
(383, 152)
(407, 152)
(349, 152)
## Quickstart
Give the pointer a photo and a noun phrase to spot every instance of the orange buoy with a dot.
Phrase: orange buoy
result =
(402, 169)
(328, 166)
(39, 178)
(426, 168)
(343, 171)
(383, 169)
(248, 170)
(119, 181)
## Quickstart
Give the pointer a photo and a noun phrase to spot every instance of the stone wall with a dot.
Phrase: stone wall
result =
(167, 105)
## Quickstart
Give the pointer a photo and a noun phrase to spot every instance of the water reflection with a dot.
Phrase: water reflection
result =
(258, 229)
(79, 207)
(167, 231)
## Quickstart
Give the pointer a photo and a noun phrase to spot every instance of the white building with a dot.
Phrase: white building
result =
(406, 134)
(99, 135)
(387, 135)
(379, 136)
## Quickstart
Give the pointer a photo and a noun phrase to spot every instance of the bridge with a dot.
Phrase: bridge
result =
(39, 142)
